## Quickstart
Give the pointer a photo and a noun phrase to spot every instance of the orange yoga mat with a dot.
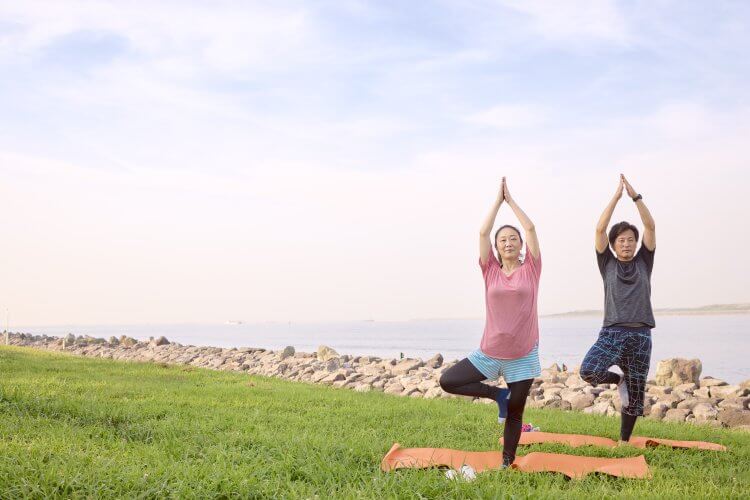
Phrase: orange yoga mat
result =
(572, 466)
(576, 440)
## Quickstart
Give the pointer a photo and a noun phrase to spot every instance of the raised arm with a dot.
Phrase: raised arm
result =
(485, 246)
(532, 242)
(600, 239)
(649, 226)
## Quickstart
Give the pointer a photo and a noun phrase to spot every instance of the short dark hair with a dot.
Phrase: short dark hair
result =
(514, 228)
(620, 228)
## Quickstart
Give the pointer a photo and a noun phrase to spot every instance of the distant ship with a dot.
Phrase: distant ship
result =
(232, 322)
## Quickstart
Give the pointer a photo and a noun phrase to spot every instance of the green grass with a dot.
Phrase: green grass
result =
(77, 427)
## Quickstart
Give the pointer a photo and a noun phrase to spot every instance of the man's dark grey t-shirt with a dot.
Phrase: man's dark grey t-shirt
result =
(627, 288)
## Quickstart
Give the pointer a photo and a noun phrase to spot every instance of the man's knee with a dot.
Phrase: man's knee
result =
(589, 376)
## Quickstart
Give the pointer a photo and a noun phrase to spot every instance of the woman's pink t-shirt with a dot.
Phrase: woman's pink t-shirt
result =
(512, 328)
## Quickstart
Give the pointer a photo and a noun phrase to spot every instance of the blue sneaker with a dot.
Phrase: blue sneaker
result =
(502, 404)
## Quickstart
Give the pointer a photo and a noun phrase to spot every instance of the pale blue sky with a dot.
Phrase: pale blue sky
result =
(162, 161)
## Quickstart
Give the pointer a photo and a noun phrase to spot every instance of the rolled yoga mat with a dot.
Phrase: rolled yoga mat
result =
(576, 440)
(573, 466)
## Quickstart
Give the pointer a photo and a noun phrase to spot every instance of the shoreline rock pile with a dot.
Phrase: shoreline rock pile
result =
(677, 394)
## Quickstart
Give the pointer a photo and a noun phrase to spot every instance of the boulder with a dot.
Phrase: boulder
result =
(435, 392)
(333, 377)
(325, 353)
(704, 411)
(600, 408)
(394, 388)
(676, 415)
(734, 418)
(676, 371)
(581, 401)
(363, 387)
(703, 392)
(660, 390)
(127, 341)
(333, 364)
(658, 410)
(728, 391)
(735, 403)
(435, 362)
(287, 352)
(159, 341)
(711, 382)
(688, 388)
(405, 366)
(557, 403)
(575, 382)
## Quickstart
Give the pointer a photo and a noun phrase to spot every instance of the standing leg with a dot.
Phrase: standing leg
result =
(604, 353)
(519, 391)
(463, 378)
(635, 362)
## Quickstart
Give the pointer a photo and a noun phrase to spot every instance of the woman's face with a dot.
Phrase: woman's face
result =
(625, 244)
(508, 244)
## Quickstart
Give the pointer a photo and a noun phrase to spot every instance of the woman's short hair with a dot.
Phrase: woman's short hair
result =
(620, 228)
(514, 228)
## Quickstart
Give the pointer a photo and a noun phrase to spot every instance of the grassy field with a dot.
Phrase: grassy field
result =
(76, 427)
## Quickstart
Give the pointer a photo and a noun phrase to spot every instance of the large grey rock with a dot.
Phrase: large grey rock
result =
(659, 390)
(728, 391)
(658, 410)
(333, 377)
(395, 388)
(711, 382)
(288, 352)
(333, 364)
(735, 403)
(581, 401)
(734, 418)
(575, 382)
(688, 388)
(127, 341)
(557, 403)
(435, 362)
(435, 392)
(406, 365)
(703, 392)
(676, 371)
(676, 415)
(600, 408)
(325, 353)
(159, 341)
(705, 411)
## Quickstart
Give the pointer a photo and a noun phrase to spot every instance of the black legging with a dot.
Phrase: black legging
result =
(463, 378)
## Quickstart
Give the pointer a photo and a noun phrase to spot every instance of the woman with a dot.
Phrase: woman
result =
(509, 346)
(625, 337)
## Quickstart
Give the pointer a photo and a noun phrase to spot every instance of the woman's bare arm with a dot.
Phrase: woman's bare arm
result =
(532, 241)
(485, 246)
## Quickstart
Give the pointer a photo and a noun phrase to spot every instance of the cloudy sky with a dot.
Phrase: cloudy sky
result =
(332, 160)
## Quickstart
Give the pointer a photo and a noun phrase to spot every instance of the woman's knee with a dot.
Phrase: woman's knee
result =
(447, 383)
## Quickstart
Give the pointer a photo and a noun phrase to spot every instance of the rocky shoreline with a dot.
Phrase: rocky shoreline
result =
(677, 393)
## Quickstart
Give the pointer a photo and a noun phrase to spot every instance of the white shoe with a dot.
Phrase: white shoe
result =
(622, 390)
(467, 473)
